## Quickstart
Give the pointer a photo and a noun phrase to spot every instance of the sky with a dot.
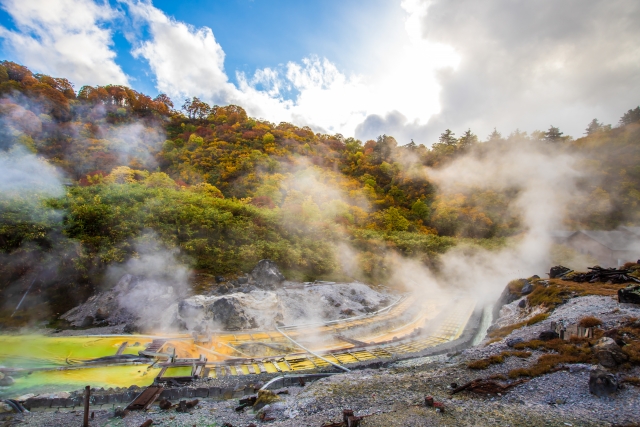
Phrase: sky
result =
(406, 68)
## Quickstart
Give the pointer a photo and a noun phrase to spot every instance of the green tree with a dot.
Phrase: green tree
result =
(630, 116)
(553, 134)
(421, 210)
(494, 136)
(447, 138)
(467, 140)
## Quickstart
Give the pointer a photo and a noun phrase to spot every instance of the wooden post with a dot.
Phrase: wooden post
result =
(87, 396)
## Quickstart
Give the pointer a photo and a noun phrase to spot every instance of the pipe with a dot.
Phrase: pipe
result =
(274, 380)
(25, 295)
(311, 352)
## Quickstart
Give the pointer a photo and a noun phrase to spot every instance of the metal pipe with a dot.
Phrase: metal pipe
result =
(276, 379)
(25, 295)
(311, 352)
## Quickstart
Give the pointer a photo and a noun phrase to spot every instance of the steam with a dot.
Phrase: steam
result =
(136, 143)
(23, 173)
(152, 283)
(544, 179)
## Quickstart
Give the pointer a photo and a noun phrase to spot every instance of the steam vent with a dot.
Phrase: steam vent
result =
(252, 325)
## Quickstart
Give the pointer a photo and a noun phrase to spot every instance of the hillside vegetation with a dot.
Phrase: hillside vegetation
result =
(227, 189)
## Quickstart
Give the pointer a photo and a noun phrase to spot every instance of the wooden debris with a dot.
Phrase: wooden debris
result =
(165, 404)
(486, 386)
(121, 349)
(184, 406)
(346, 413)
(439, 407)
(145, 399)
(147, 423)
(599, 274)
(87, 397)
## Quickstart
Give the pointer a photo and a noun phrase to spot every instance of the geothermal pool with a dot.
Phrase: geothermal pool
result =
(43, 364)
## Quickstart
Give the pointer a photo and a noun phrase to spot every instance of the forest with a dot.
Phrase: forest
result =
(112, 167)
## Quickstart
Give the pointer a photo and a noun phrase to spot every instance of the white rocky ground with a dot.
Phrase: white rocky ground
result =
(248, 308)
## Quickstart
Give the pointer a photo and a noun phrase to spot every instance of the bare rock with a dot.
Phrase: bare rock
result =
(602, 383)
(230, 314)
(6, 381)
(267, 274)
(609, 353)
(548, 335)
(527, 288)
(101, 314)
(630, 294)
(511, 342)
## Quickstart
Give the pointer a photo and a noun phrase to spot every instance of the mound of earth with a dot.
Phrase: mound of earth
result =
(266, 299)
(288, 305)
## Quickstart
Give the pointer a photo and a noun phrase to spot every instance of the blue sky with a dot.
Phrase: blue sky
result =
(408, 68)
(263, 33)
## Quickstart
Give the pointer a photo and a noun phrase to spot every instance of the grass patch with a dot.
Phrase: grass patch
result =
(575, 351)
(558, 291)
(537, 318)
(515, 286)
(589, 322)
(496, 359)
(498, 334)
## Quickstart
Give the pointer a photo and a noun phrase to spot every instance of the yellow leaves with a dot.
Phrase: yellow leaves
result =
(159, 180)
(121, 175)
(208, 189)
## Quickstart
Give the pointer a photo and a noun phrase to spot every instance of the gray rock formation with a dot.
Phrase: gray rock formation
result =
(266, 275)
(630, 294)
(602, 383)
(228, 312)
(609, 353)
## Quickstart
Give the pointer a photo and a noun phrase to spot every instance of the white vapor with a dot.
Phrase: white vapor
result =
(63, 38)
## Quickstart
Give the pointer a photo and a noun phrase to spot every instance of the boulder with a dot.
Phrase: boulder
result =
(266, 274)
(630, 294)
(609, 353)
(602, 383)
(6, 381)
(522, 303)
(527, 288)
(229, 313)
(6, 408)
(548, 335)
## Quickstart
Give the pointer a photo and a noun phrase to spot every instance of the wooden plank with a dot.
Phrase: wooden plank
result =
(145, 399)
(275, 364)
(263, 370)
(122, 347)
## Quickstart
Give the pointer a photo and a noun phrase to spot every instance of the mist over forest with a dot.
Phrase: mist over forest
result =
(89, 174)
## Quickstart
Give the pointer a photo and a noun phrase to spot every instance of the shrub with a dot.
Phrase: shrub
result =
(496, 359)
(589, 322)
(537, 318)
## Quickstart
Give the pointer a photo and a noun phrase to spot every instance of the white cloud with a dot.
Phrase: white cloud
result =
(535, 63)
(188, 61)
(63, 38)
